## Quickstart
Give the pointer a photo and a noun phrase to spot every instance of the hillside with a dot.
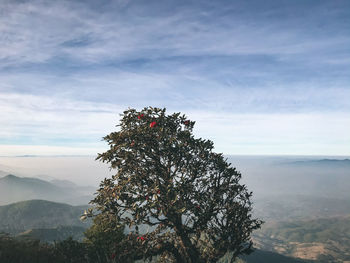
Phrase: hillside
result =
(299, 207)
(54, 234)
(261, 256)
(324, 240)
(19, 217)
(15, 189)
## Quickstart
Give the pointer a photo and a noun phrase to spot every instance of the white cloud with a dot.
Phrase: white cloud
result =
(42, 117)
(46, 150)
(296, 134)
(65, 75)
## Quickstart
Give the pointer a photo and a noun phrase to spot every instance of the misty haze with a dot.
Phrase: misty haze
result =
(266, 176)
(286, 190)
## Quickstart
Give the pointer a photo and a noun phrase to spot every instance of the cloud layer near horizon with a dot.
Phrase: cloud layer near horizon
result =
(277, 71)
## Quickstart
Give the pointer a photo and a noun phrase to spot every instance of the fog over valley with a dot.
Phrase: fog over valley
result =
(304, 201)
(266, 176)
(82, 170)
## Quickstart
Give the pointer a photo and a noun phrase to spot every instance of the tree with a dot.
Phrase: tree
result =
(71, 251)
(180, 200)
(103, 238)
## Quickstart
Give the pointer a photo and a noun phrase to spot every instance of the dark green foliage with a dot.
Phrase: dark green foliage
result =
(13, 250)
(20, 250)
(54, 234)
(103, 238)
(98, 247)
(71, 251)
(25, 251)
(188, 196)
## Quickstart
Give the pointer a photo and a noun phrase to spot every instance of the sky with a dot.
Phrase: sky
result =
(258, 77)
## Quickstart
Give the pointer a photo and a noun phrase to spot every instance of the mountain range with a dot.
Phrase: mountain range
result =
(15, 189)
(331, 163)
(39, 214)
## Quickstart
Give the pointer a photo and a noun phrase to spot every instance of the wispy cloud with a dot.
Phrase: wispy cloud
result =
(73, 65)
(77, 30)
(297, 133)
(64, 127)
(43, 120)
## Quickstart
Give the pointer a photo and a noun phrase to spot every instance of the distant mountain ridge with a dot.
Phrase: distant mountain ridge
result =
(16, 189)
(323, 162)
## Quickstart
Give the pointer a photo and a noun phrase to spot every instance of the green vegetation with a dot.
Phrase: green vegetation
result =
(14, 250)
(24, 251)
(324, 240)
(30, 247)
(54, 234)
(104, 238)
(70, 251)
(188, 196)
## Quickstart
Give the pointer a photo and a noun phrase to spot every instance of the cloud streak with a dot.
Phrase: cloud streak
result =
(67, 68)
(77, 31)
(64, 127)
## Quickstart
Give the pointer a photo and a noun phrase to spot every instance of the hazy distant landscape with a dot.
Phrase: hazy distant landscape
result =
(304, 202)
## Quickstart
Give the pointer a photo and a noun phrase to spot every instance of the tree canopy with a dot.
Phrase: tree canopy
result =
(179, 199)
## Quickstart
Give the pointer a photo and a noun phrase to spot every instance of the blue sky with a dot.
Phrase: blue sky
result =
(259, 77)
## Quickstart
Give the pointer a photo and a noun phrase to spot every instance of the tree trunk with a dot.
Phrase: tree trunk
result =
(188, 251)
(191, 254)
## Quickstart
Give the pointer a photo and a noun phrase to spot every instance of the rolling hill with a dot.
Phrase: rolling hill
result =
(38, 214)
(54, 234)
(15, 189)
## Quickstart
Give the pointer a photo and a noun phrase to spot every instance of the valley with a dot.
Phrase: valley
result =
(306, 223)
